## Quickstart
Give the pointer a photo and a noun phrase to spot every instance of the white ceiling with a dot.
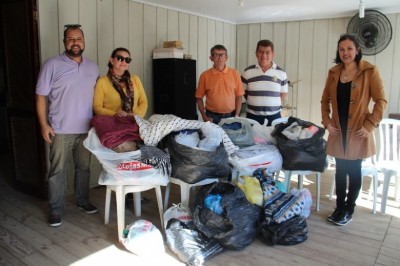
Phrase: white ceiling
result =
(256, 11)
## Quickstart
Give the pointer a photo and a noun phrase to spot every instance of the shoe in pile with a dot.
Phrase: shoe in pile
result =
(88, 208)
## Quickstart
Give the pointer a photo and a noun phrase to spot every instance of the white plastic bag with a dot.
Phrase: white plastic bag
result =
(179, 212)
(249, 159)
(144, 239)
(123, 168)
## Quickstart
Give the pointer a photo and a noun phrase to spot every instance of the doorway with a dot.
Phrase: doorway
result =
(19, 65)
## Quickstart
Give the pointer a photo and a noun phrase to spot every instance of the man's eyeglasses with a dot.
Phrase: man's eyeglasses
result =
(120, 58)
(219, 55)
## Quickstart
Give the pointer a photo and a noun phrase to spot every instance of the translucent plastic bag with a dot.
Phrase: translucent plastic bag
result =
(123, 168)
(248, 159)
(239, 130)
(143, 239)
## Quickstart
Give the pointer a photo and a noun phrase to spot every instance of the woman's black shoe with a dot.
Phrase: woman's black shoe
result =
(334, 215)
(344, 218)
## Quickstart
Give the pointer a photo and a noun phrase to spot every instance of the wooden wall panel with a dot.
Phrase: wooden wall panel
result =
(162, 26)
(120, 24)
(173, 25)
(305, 59)
(48, 29)
(88, 20)
(68, 13)
(105, 26)
(136, 45)
(149, 42)
(394, 106)
(291, 65)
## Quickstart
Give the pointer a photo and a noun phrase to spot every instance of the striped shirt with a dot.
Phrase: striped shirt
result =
(263, 90)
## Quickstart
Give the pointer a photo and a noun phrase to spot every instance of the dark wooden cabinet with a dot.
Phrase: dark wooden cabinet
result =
(174, 83)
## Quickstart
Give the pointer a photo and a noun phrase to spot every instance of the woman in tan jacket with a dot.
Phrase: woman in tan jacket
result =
(349, 88)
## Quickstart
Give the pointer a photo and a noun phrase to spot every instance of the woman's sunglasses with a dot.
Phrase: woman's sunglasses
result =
(122, 59)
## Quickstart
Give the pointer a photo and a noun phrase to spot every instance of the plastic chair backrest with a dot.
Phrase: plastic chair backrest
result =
(388, 145)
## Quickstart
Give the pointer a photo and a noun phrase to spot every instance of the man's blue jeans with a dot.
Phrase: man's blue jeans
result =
(64, 146)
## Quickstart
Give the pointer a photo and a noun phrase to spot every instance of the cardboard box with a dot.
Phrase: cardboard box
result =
(167, 53)
(173, 44)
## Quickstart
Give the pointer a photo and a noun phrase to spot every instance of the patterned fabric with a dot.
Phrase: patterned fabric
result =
(157, 158)
(279, 206)
(126, 99)
(158, 126)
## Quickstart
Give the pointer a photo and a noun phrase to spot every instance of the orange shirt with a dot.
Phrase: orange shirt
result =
(220, 89)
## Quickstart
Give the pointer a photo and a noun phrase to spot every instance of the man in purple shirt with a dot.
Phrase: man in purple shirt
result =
(64, 97)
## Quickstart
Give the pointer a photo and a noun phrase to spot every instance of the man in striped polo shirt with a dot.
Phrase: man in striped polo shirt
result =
(265, 85)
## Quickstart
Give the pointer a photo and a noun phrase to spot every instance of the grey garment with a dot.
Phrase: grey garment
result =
(63, 147)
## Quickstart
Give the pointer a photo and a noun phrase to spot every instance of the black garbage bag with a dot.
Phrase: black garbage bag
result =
(290, 232)
(194, 165)
(191, 246)
(236, 227)
(302, 154)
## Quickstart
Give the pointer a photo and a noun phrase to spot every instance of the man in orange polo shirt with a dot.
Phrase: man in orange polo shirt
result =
(222, 88)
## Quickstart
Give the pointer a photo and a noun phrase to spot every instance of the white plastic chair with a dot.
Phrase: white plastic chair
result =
(367, 169)
(300, 175)
(387, 159)
(185, 189)
(120, 192)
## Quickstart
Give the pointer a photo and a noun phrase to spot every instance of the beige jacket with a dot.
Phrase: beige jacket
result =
(367, 84)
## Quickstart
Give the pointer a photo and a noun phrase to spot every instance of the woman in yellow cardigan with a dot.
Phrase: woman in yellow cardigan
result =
(119, 93)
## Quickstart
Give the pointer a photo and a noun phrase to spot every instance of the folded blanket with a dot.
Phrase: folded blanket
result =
(113, 130)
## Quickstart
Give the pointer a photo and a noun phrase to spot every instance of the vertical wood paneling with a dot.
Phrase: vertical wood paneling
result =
(395, 89)
(202, 47)
(383, 58)
(211, 40)
(232, 45)
(48, 29)
(254, 37)
(68, 13)
(242, 47)
(193, 38)
(88, 20)
(184, 31)
(319, 70)
(219, 33)
(162, 26)
(291, 65)
(105, 24)
(136, 45)
(150, 42)
(279, 41)
(173, 25)
(121, 25)
(305, 59)
(142, 28)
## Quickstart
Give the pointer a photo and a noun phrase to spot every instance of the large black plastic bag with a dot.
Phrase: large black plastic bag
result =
(236, 227)
(191, 246)
(302, 154)
(289, 232)
(193, 165)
